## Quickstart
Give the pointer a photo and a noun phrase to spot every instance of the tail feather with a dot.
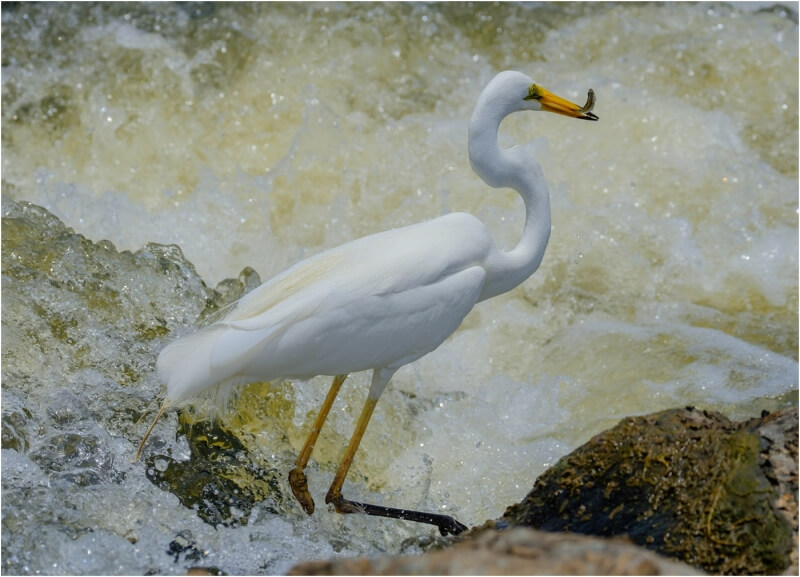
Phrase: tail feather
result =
(184, 365)
(212, 355)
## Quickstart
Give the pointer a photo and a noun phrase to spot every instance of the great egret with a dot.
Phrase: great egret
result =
(381, 301)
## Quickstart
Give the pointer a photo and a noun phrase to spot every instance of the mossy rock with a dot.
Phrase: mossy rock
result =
(689, 484)
(218, 481)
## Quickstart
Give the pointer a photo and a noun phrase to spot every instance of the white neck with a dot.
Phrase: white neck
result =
(510, 168)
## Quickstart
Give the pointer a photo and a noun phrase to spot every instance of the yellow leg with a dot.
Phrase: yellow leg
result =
(335, 492)
(297, 478)
(447, 525)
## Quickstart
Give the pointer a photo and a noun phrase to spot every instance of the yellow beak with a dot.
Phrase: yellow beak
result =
(553, 103)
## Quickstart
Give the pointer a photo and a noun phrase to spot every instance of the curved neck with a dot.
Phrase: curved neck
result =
(511, 168)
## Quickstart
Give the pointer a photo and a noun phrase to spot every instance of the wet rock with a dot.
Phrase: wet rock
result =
(184, 545)
(517, 551)
(219, 481)
(689, 484)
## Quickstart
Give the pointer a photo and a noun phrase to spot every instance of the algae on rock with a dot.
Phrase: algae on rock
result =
(689, 484)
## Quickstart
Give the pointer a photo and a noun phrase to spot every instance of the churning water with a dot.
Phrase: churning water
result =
(256, 135)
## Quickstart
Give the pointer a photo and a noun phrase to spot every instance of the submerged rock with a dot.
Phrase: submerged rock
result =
(689, 484)
(82, 326)
(91, 318)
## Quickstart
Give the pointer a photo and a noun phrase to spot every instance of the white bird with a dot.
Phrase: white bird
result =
(379, 302)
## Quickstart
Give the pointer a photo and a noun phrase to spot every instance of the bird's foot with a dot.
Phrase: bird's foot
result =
(299, 484)
(447, 525)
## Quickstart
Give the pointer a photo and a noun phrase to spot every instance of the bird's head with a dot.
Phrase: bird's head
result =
(512, 91)
(507, 93)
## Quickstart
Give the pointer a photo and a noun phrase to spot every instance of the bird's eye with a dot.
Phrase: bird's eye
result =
(533, 93)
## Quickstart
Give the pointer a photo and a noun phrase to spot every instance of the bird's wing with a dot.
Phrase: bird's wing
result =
(371, 280)
(263, 314)
(387, 329)
(416, 321)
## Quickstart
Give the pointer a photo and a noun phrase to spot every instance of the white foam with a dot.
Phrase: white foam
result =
(671, 275)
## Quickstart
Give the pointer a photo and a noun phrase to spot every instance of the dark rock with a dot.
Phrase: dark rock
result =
(689, 484)
(217, 480)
